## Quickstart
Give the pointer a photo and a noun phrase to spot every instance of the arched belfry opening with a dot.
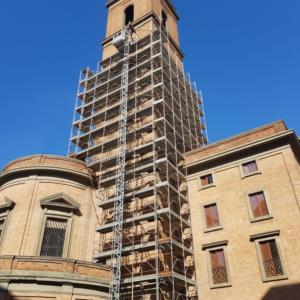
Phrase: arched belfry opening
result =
(164, 19)
(129, 14)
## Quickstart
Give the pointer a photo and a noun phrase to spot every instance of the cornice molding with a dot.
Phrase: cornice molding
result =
(287, 136)
(58, 172)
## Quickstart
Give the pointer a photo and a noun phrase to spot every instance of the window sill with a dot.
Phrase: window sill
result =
(264, 218)
(204, 187)
(251, 174)
(275, 278)
(219, 286)
(207, 230)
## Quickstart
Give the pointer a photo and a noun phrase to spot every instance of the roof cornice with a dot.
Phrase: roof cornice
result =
(276, 137)
(79, 177)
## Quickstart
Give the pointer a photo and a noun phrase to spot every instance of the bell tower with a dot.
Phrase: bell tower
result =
(135, 118)
(144, 16)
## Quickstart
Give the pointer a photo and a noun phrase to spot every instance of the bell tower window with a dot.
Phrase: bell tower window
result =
(129, 14)
(164, 19)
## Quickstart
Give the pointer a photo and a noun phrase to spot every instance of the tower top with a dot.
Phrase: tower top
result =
(168, 2)
(144, 17)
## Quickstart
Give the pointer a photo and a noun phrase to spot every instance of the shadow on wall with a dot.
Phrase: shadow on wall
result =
(4, 295)
(283, 292)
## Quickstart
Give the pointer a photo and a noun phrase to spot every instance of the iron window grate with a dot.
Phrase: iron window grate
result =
(54, 237)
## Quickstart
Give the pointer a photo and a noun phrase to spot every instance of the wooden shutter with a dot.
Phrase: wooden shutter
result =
(211, 216)
(259, 205)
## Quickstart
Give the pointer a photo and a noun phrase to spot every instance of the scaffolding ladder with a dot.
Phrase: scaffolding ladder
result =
(122, 43)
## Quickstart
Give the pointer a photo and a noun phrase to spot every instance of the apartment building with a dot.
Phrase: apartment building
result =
(244, 194)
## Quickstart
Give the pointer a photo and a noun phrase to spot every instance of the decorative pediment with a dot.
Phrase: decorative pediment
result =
(6, 204)
(60, 201)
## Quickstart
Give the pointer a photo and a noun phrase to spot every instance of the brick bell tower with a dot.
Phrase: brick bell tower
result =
(141, 14)
(135, 118)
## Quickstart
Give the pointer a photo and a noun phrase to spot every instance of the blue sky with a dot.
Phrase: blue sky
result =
(244, 55)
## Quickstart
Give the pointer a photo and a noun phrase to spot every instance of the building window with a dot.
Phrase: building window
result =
(250, 168)
(129, 14)
(219, 273)
(211, 215)
(269, 256)
(258, 206)
(55, 234)
(5, 210)
(218, 270)
(2, 224)
(206, 180)
(54, 237)
(164, 19)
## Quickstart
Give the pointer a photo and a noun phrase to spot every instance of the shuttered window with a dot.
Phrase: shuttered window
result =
(211, 216)
(250, 167)
(258, 205)
(218, 267)
(54, 237)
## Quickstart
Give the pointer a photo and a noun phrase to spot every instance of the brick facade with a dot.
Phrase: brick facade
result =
(276, 151)
(32, 188)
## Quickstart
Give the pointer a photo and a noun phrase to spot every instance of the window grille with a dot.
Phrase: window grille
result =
(218, 267)
(219, 275)
(273, 267)
(54, 237)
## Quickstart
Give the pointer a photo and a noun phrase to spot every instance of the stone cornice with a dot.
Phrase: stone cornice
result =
(57, 270)
(46, 171)
(272, 141)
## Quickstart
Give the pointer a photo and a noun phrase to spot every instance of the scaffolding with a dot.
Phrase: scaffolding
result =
(122, 42)
(152, 256)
